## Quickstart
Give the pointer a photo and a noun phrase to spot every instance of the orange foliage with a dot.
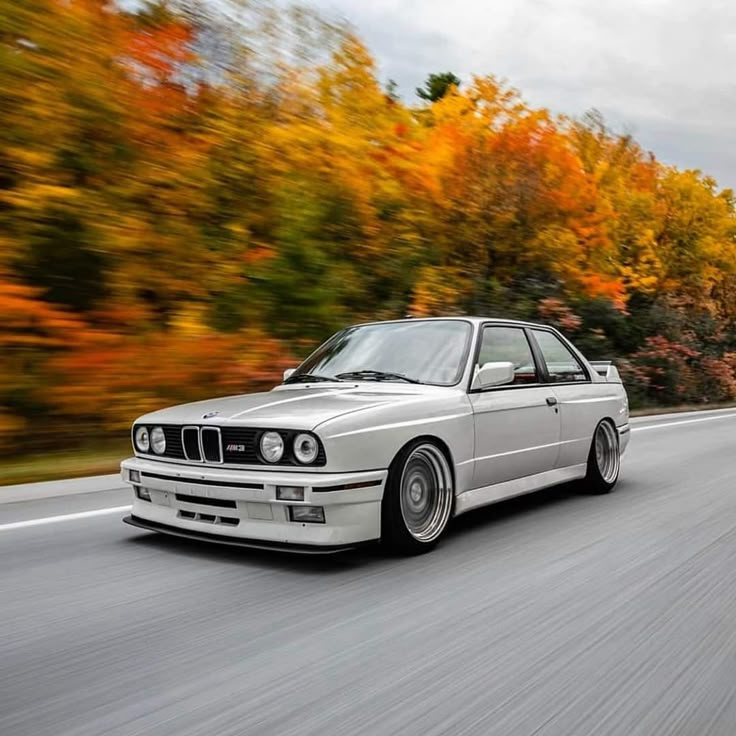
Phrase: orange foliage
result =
(184, 202)
(29, 322)
(147, 373)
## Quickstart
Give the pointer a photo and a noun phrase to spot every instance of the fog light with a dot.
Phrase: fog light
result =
(289, 493)
(134, 476)
(307, 514)
(142, 493)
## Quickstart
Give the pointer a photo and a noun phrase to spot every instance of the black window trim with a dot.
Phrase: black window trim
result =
(508, 387)
(573, 351)
(537, 355)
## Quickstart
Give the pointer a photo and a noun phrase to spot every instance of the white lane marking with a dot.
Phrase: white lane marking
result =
(685, 421)
(726, 411)
(64, 517)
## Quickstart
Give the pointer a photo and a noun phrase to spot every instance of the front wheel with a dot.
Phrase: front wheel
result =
(417, 502)
(604, 459)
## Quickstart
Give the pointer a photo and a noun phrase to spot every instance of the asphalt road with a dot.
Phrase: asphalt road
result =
(557, 614)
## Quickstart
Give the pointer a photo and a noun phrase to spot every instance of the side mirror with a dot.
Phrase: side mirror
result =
(493, 374)
(288, 372)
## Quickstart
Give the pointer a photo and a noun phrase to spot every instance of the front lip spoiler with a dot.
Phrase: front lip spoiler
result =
(305, 549)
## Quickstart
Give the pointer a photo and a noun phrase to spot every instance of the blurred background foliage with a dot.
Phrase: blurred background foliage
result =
(192, 195)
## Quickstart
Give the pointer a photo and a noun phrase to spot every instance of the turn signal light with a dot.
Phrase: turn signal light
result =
(289, 493)
(307, 514)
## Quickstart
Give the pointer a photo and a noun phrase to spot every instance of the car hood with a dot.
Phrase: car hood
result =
(292, 407)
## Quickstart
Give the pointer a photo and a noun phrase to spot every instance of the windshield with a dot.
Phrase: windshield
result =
(422, 351)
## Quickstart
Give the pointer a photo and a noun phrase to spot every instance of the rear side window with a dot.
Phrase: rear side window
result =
(562, 365)
(509, 344)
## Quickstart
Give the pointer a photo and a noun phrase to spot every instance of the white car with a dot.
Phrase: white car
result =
(385, 432)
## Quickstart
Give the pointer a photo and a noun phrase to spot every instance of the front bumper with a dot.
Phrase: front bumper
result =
(239, 506)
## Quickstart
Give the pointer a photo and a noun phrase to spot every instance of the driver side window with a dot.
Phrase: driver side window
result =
(509, 344)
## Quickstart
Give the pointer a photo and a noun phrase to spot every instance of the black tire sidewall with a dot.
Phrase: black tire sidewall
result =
(594, 481)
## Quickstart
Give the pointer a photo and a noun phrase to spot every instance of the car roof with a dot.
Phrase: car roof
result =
(472, 319)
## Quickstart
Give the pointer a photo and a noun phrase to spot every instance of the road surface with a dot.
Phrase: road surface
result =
(552, 615)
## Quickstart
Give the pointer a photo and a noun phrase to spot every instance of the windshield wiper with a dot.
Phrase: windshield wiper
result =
(376, 376)
(310, 378)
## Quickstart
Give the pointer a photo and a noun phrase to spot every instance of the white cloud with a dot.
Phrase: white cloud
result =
(663, 69)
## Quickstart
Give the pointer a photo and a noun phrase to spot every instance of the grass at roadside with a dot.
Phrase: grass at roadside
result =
(106, 458)
(67, 464)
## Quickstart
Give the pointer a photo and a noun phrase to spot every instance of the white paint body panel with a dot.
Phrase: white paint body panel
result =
(516, 434)
(502, 442)
(582, 406)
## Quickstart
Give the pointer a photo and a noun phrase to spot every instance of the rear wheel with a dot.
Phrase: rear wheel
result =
(417, 503)
(604, 459)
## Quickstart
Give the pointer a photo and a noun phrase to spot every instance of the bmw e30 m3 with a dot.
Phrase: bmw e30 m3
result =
(385, 432)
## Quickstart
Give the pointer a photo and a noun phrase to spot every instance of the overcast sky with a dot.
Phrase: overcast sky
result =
(664, 70)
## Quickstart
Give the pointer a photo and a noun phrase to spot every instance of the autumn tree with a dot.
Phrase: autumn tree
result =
(192, 195)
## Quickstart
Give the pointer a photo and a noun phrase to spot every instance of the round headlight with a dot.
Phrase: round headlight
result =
(142, 442)
(272, 447)
(158, 440)
(305, 448)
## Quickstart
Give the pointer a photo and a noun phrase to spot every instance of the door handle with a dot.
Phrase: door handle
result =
(551, 401)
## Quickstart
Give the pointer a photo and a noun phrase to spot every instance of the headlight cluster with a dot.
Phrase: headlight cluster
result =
(305, 447)
(262, 446)
(145, 441)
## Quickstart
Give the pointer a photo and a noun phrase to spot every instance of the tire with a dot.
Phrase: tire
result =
(418, 500)
(604, 459)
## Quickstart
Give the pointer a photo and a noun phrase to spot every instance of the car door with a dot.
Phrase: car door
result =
(517, 426)
(581, 401)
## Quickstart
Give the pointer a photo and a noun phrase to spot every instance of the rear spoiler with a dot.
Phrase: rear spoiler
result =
(607, 369)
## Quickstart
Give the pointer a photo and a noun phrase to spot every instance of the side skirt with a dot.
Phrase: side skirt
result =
(516, 487)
